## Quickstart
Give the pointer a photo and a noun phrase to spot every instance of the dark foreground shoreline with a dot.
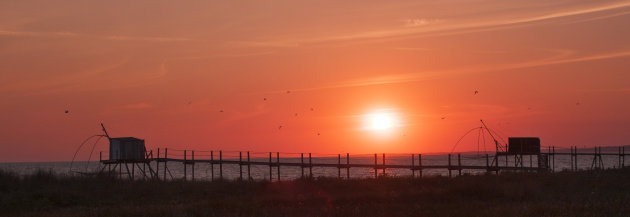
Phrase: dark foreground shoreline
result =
(584, 193)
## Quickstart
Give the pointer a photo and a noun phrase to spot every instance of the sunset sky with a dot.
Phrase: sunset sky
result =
(309, 76)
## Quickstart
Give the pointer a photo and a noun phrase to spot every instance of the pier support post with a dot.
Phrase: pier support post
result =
(310, 166)
(211, 165)
(496, 163)
(270, 168)
(157, 165)
(384, 164)
(302, 164)
(619, 158)
(193, 165)
(278, 161)
(571, 158)
(553, 159)
(249, 174)
(240, 165)
(220, 165)
(576, 158)
(348, 166)
(601, 162)
(459, 164)
(487, 163)
(449, 165)
(506, 160)
(339, 166)
(185, 175)
(375, 166)
(413, 170)
(133, 171)
(420, 164)
(165, 161)
(595, 164)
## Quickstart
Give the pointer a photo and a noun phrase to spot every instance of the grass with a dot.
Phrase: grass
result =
(584, 193)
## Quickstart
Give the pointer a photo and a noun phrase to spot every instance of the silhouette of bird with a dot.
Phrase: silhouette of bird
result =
(280, 127)
(295, 114)
(476, 92)
(265, 99)
(443, 118)
(67, 111)
(221, 110)
(312, 109)
(317, 134)
(577, 103)
(288, 91)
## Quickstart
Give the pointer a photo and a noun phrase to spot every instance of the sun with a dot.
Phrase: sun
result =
(381, 121)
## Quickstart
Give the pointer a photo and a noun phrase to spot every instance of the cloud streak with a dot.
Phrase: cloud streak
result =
(438, 27)
(96, 37)
(562, 58)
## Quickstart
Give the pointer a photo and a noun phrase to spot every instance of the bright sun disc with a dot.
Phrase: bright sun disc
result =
(380, 121)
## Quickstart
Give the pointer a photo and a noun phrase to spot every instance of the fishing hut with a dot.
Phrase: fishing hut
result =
(126, 149)
(520, 147)
(517, 147)
(125, 155)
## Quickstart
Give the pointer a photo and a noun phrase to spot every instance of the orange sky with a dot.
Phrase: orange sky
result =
(163, 71)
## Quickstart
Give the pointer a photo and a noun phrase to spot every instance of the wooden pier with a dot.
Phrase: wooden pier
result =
(156, 166)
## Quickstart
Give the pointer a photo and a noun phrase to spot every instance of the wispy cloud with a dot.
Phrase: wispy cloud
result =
(137, 106)
(417, 22)
(614, 90)
(438, 27)
(63, 82)
(128, 108)
(37, 34)
(572, 13)
(263, 43)
(155, 39)
(560, 57)
(96, 37)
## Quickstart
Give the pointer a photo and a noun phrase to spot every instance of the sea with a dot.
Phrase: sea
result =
(204, 171)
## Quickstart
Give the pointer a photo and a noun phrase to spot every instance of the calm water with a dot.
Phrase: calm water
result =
(231, 171)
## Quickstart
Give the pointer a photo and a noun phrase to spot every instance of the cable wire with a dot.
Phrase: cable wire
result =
(79, 148)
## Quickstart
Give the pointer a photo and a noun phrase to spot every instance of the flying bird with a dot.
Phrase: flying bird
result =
(295, 114)
(221, 110)
(577, 103)
(476, 92)
(288, 91)
(265, 99)
(280, 127)
(312, 109)
(67, 111)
